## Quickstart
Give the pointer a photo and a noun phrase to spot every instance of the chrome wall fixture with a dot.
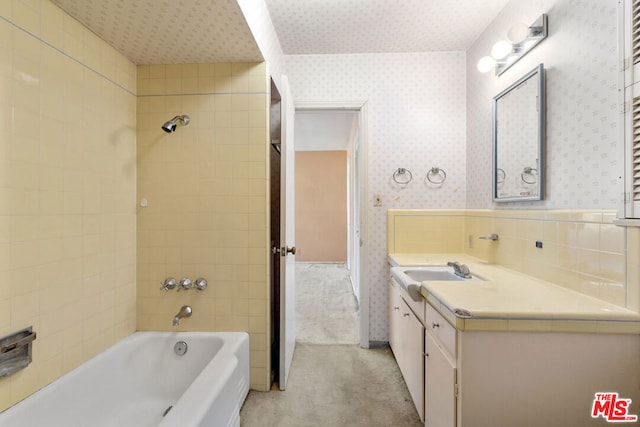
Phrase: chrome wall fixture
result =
(520, 40)
(185, 284)
(402, 176)
(185, 311)
(171, 125)
(436, 176)
(15, 351)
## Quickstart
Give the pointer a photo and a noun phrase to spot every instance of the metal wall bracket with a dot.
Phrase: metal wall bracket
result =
(15, 351)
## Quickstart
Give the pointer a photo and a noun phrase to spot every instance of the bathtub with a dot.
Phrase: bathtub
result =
(142, 381)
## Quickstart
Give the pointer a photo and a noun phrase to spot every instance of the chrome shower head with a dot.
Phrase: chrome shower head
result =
(171, 125)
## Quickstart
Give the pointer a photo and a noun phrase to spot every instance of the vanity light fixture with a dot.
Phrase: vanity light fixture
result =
(521, 39)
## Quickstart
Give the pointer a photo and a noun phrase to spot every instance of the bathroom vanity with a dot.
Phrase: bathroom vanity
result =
(510, 349)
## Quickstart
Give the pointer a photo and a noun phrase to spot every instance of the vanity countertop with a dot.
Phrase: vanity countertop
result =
(509, 300)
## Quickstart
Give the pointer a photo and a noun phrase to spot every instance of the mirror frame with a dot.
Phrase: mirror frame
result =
(538, 73)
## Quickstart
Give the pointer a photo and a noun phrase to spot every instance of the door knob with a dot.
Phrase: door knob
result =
(283, 251)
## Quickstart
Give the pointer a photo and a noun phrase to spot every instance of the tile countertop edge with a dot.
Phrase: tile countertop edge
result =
(544, 322)
(595, 317)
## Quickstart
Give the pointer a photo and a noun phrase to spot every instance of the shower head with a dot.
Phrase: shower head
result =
(171, 125)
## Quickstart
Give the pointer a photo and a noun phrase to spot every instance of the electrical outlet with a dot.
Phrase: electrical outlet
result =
(377, 201)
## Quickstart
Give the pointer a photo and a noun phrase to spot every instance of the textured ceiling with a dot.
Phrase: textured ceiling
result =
(169, 32)
(204, 31)
(375, 26)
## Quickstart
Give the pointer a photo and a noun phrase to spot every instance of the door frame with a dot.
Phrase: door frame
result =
(359, 106)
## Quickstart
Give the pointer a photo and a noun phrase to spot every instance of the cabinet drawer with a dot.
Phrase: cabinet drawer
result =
(416, 306)
(442, 330)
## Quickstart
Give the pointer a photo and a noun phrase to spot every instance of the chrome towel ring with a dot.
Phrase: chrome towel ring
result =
(436, 176)
(402, 176)
(532, 172)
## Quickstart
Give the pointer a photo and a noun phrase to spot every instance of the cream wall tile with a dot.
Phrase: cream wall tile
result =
(581, 250)
(212, 223)
(613, 292)
(612, 238)
(53, 196)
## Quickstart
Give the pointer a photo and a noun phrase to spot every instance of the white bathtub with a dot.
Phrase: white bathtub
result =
(135, 381)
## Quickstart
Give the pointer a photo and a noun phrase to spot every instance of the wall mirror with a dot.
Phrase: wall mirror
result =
(518, 139)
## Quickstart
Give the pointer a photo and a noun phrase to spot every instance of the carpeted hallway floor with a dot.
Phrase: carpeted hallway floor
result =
(326, 309)
(332, 382)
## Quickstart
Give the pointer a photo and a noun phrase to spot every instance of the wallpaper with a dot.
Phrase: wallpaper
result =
(583, 151)
(416, 121)
(257, 17)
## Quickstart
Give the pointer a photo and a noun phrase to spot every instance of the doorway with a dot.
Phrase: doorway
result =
(325, 127)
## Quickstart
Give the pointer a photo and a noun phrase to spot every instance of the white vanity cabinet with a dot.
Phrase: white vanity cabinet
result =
(440, 371)
(440, 386)
(524, 378)
(406, 338)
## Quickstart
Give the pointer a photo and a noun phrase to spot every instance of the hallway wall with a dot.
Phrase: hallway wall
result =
(321, 206)
(416, 120)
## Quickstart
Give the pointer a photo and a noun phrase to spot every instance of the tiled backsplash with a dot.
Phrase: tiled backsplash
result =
(581, 250)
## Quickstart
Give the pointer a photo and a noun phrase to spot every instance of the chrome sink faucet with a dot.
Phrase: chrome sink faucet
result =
(185, 311)
(461, 270)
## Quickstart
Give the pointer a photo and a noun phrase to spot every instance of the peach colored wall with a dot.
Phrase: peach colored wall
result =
(321, 206)
(206, 185)
(67, 191)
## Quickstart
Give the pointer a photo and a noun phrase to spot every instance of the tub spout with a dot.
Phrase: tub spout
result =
(185, 311)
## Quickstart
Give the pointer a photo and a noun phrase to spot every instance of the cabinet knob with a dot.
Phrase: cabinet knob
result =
(396, 308)
(435, 325)
(406, 314)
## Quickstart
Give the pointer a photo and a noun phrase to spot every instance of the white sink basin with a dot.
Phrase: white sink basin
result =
(423, 274)
(411, 278)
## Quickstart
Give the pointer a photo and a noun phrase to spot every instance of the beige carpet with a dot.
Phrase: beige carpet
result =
(332, 381)
(326, 309)
(335, 385)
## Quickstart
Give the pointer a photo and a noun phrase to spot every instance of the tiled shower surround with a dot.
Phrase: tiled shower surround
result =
(72, 227)
(67, 191)
(206, 191)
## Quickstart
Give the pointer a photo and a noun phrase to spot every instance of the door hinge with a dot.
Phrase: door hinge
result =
(625, 107)
(455, 390)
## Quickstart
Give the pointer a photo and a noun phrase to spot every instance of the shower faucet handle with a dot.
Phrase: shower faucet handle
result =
(185, 284)
(200, 284)
(168, 284)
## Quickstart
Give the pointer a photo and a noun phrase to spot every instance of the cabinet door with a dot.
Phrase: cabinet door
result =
(413, 357)
(395, 303)
(440, 382)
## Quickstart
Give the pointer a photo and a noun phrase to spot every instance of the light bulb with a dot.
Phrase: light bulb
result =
(518, 33)
(501, 49)
(485, 64)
